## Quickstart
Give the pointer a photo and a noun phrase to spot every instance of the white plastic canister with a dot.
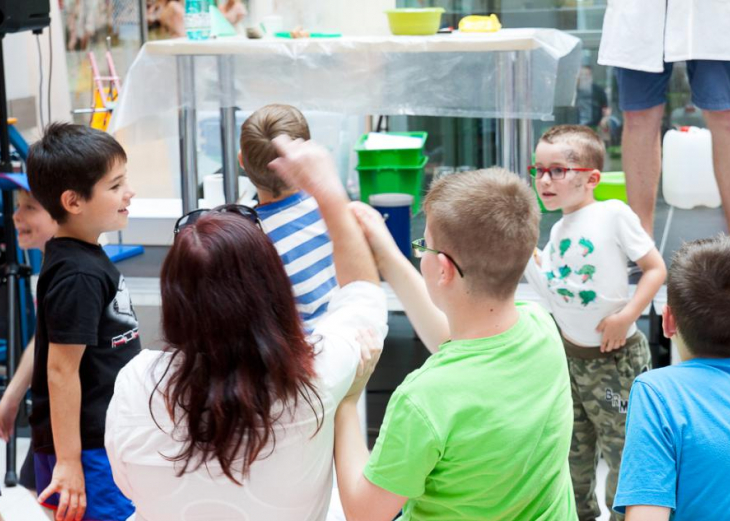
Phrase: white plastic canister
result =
(688, 178)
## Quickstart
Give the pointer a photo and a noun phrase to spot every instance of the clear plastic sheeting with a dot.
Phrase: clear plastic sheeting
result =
(514, 73)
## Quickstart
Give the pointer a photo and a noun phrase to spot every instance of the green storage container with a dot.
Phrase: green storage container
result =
(612, 186)
(391, 158)
(392, 179)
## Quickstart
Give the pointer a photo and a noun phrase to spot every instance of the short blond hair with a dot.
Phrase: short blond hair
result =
(489, 222)
(258, 151)
(587, 148)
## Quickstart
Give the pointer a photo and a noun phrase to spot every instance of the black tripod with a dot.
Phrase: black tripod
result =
(12, 272)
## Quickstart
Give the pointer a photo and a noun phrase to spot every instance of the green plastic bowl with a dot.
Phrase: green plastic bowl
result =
(612, 186)
(413, 22)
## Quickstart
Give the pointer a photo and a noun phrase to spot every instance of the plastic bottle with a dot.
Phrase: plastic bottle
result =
(197, 19)
(688, 177)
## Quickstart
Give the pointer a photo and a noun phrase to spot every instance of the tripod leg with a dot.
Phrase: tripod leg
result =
(12, 268)
(11, 478)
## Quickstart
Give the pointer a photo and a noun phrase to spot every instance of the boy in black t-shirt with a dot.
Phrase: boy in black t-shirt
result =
(87, 329)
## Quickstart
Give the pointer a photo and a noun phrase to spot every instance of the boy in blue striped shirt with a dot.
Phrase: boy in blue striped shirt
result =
(290, 217)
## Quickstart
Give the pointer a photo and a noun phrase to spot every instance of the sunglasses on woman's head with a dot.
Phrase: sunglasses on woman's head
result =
(237, 209)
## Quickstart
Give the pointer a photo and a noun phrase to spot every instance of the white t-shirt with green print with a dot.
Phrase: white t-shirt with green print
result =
(583, 276)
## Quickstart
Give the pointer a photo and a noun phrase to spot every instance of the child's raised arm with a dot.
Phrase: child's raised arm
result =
(428, 321)
(309, 166)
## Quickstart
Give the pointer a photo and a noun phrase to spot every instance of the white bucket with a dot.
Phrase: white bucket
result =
(688, 177)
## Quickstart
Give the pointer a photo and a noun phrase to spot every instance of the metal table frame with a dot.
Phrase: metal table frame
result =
(514, 135)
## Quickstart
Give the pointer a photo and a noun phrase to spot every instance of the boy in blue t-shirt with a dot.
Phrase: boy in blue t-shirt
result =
(289, 216)
(87, 329)
(677, 453)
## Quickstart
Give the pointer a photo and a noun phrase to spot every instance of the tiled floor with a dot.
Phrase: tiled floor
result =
(17, 503)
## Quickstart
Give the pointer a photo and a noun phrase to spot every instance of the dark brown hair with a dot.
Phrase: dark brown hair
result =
(237, 343)
(489, 222)
(698, 292)
(258, 131)
(70, 157)
(588, 150)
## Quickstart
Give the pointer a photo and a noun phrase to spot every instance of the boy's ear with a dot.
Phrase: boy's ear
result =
(594, 178)
(669, 322)
(447, 268)
(240, 158)
(71, 202)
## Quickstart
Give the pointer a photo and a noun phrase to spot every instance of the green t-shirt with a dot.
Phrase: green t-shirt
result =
(482, 430)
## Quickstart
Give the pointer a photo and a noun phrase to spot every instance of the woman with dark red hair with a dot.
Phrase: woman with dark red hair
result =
(234, 419)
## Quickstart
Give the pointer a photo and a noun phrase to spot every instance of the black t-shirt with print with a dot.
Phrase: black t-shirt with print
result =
(82, 299)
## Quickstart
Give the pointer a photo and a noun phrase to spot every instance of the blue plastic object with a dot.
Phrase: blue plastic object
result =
(19, 144)
(120, 252)
(13, 181)
(396, 210)
(35, 259)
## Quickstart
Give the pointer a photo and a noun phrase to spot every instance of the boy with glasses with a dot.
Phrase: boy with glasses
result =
(482, 430)
(582, 276)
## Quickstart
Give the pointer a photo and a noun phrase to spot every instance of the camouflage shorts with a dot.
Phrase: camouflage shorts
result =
(600, 384)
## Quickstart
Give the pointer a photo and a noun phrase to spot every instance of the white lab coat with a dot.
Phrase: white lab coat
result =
(643, 34)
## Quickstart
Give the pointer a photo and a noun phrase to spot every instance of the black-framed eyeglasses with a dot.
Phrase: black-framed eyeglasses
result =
(419, 248)
(237, 209)
(556, 173)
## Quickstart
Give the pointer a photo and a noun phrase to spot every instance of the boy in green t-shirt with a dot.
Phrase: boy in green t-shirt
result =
(482, 430)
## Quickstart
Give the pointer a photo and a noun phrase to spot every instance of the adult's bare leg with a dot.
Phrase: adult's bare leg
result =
(719, 124)
(642, 161)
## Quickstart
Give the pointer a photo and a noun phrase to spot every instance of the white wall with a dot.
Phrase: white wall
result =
(349, 17)
(356, 17)
(22, 75)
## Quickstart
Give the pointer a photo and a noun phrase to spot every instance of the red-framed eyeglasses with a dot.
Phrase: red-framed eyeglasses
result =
(556, 173)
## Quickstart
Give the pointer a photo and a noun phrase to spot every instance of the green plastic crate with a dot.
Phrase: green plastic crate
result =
(391, 158)
(392, 179)
(612, 186)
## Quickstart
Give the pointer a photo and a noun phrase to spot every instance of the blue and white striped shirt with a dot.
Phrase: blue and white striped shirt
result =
(299, 234)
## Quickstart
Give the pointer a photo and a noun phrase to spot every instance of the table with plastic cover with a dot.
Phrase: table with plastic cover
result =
(516, 75)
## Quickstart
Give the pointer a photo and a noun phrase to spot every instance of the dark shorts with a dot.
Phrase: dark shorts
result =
(27, 471)
(104, 501)
(709, 81)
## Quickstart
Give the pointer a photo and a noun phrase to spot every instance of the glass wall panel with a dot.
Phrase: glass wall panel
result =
(462, 141)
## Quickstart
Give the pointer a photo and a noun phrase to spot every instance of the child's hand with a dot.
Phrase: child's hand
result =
(306, 165)
(8, 412)
(614, 328)
(373, 226)
(68, 481)
(371, 347)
